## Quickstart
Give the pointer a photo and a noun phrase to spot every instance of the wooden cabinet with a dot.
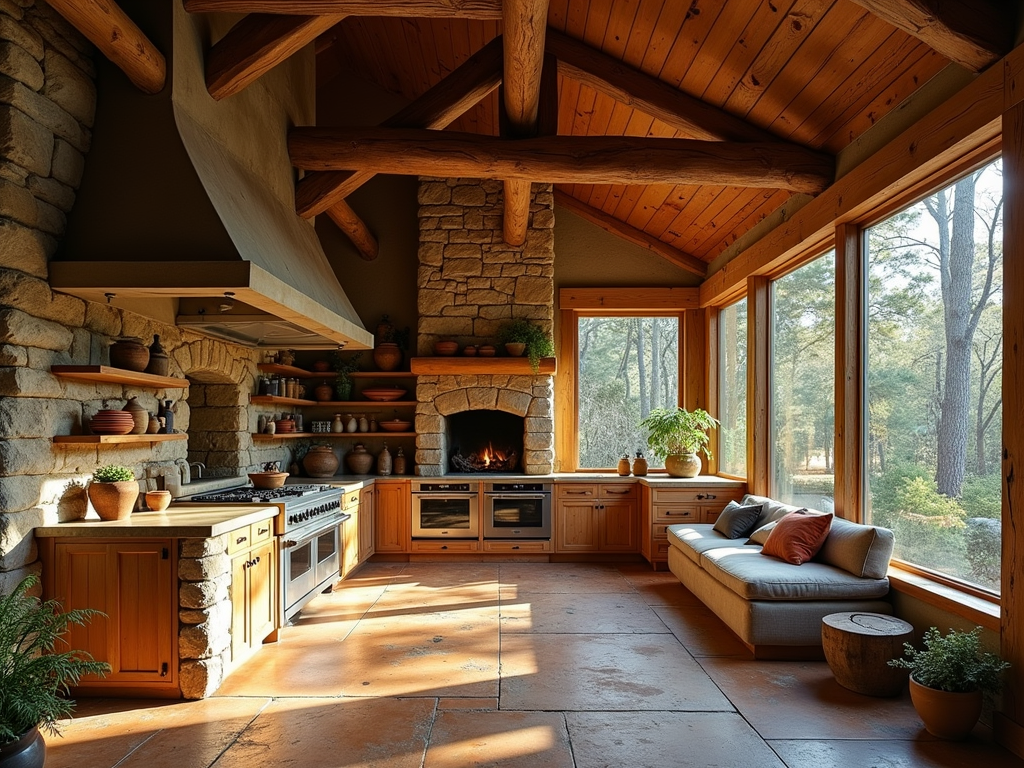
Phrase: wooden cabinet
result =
(596, 517)
(350, 532)
(393, 517)
(367, 524)
(253, 588)
(697, 503)
(133, 582)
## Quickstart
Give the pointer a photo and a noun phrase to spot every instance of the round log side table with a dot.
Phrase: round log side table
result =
(857, 647)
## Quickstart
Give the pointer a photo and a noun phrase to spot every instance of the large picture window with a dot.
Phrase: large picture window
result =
(934, 357)
(732, 389)
(803, 384)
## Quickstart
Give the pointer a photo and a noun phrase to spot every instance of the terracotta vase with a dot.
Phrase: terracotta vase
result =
(387, 356)
(320, 461)
(114, 501)
(323, 393)
(359, 460)
(139, 414)
(515, 348)
(945, 714)
(129, 354)
(28, 751)
(158, 501)
(159, 363)
(682, 464)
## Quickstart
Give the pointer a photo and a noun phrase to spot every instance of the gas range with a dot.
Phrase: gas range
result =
(301, 505)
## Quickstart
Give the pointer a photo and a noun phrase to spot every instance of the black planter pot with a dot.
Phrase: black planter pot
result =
(27, 752)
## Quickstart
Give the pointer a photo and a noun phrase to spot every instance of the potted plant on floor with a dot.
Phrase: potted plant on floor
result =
(675, 437)
(35, 678)
(948, 679)
(113, 492)
(523, 337)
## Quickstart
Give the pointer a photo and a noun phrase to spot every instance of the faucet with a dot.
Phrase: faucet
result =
(199, 468)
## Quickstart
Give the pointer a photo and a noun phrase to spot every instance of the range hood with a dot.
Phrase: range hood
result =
(186, 213)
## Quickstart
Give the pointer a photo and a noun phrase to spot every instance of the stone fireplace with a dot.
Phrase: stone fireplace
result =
(470, 282)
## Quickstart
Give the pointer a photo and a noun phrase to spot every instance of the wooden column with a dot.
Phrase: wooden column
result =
(850, 350)
(566, 440)
(758, 380)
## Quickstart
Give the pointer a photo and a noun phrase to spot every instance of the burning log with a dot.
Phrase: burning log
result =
(487, 460)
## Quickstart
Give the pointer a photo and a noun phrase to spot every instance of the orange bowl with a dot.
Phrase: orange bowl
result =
(267, 480)
(383, 394)
(395, 426)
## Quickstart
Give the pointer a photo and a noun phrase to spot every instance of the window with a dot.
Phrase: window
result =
(627, 367)
(933, 422)
(803, 348)
(732, 389)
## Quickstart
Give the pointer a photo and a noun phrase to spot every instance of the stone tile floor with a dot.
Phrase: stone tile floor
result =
(535, 665)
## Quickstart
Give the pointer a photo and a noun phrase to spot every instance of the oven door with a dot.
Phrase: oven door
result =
(517, 515)
(445, 516)
(310, 561)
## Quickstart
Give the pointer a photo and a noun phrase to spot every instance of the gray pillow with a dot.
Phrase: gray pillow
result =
(736, 521)
(760, 535)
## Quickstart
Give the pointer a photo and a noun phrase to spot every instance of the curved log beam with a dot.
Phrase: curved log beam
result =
(355, 229)
(562, 159)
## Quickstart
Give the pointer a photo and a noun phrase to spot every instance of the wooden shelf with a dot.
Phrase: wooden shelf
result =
(353, 404)
(277, 400)
(302, 373)
(110, 375)
(320, 435)
(381, 375)
(481, 365)
(115, 439)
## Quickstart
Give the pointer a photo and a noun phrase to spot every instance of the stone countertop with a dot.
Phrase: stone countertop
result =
(179, 521)
(353, 482)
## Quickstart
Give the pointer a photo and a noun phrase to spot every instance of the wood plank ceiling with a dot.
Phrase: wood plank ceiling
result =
(814, 72)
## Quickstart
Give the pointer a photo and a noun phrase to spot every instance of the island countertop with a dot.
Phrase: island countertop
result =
(179, 521)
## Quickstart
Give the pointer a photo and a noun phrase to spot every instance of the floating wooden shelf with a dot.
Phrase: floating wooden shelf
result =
(115, 439)
(519, 366)
(319, 435)
(302, 373)
(381, 375)
(117, 376)
(277, 400)
(353, 404)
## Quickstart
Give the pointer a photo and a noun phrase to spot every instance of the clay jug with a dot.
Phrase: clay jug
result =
(384, 462)
(399, 463)
(359, 460)
(159, 363)
(387, 356)
(129, 354)
(623, 468)
(139, 414)
(364, 425)
(323, 393)
(639, 465)
(351, 425)
(320, 461)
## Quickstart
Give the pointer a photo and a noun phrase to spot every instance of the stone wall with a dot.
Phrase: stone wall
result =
(470, 282)
(204, 615)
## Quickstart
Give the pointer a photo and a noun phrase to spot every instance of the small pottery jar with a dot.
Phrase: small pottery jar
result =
(373, 423)
(485, 351)
(399, 462)
(323, 393)
(384, 462)
(469, 350)
(364, 425)
(387, 356)
(320, 461)
(271, 428)
(129, 354)
(154, 425)
(261, 423)
(359, 460)
(640, 465)
(139, 414)
(337, 425)
(623, 468)
(158, 501)
(159, 363)
(351, 425)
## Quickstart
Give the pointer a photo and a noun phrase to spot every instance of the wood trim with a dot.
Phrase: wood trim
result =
(566, 402)
(636, 300)
(109, 28)
(631, 234)
(712, 383)
(427, 9)
(971, 33)
(561, 159)
(964, 123)
(355, 229)
(758, 385)
(693, 358)
(944, 597)
(109, 374)
(1013, 90)
(116, 439)
(849, 431)
(441, 366)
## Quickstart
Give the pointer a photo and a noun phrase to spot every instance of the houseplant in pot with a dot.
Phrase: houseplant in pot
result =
(948, 679)
(35, 678)
(676, 435)
(344, 367)
(113, 492)
(523, 337)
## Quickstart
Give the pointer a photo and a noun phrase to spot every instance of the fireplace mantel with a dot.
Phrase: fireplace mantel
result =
(459, 366)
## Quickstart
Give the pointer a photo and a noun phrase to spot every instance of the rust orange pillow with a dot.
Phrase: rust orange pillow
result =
(797, 537)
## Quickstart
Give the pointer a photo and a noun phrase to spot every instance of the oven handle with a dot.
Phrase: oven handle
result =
(517, 496)
(430, 494)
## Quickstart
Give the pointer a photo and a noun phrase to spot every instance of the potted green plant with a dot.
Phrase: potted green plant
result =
(948, 679)
(535, 343)
(35, 678)
(113, 492)
(675, 437)
(344, 367)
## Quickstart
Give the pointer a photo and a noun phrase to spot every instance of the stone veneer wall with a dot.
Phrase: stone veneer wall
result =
(470, 282)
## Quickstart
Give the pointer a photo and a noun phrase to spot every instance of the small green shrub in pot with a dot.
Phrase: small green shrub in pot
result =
(538, 343)
(680, 433)
(113, 492)
(113, 473)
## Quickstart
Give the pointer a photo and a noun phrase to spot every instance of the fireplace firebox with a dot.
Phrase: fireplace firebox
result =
(485, 441)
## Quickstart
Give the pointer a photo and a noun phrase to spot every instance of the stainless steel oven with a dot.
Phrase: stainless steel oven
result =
(445, 510)
(517, 511)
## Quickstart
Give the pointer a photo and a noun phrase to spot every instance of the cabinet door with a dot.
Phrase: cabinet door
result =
(262, 589)
(619, 526)
(350, 543)
(367, 524)
(393, 513)
(576, 526)
(240, 635)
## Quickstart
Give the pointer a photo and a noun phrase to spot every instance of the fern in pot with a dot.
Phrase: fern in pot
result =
(34, 675)
(523, 337)
(675, 436)
(948, 680)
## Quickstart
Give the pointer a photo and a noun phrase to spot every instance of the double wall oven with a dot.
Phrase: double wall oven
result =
(458, 510)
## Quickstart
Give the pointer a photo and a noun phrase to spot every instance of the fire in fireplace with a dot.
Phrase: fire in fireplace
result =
(485, 441)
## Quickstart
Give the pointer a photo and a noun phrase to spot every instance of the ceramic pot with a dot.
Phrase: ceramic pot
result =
(623, 467)
(114, 501)
(159, 363)
(359, 460)
(946, 714)
(682, 464)
(320, 461)
(387, 356)
(515, 348)
(399, 463)
(640, 466)
(27, 752)
(268, 480)
(139, 414)
(446, 348)
(323, 393)
(384, 462)
(129, 354)
(158, 501)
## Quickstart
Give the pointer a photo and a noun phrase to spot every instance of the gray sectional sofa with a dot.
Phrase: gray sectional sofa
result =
(776, 608)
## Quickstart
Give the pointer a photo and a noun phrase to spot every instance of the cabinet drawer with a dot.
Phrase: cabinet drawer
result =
(676, 513)
(445, 545)
(576, 490)
(517, 546)
(239, 540)
(660, 529)
(661, 549)
(694, 495)
(349, 501)
(261, 531)
(617, 491)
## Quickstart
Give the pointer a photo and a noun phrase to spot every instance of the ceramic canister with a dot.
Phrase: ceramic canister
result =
(139, 414)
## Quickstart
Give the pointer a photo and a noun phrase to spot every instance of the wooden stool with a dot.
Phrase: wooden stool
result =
(857, 647)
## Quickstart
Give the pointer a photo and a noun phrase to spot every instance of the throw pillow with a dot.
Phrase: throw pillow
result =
(736, 521)
(760, 535)
(798, 536)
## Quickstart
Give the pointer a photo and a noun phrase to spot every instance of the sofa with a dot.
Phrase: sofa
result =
(776, 607)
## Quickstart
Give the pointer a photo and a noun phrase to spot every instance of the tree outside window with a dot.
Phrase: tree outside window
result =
(732, 389)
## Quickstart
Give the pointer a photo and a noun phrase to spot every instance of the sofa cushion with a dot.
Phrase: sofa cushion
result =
(695, 539)
(735, 520)
(797, 537)
(863, 550)
(771, 510)
(752, 577)
(760, 535)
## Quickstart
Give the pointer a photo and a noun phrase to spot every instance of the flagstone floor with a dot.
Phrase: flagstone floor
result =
(433, 665)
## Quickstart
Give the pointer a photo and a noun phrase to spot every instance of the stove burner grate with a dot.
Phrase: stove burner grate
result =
(259, 495)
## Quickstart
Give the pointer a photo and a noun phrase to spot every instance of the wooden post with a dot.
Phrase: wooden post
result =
(758, 394)
(849, 432)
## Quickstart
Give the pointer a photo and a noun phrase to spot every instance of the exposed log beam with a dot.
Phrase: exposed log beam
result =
(355, 229)
(607, 75)
(562, 159)
(445, 9)
(440, 106)
(972, 33)
(631, 234)
(107, 27)
(524, 22)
